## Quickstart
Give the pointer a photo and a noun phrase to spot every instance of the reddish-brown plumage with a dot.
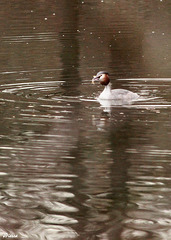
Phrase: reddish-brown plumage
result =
(104, 79)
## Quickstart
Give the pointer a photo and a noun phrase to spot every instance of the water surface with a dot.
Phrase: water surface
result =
(72, 167)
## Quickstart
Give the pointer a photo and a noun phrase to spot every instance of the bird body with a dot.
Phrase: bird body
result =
(113, 94)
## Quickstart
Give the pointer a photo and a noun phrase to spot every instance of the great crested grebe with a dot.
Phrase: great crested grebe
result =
(113, 94)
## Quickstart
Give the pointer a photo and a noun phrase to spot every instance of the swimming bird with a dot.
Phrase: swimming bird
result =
(113, 94)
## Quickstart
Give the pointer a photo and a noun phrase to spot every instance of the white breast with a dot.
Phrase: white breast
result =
(117, 94)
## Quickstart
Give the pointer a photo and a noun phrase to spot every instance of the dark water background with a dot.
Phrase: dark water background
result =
(71, 167)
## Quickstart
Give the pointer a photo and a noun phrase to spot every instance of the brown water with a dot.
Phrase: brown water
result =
(72, 167)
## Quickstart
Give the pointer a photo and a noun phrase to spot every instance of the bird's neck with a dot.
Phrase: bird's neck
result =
(107, 88)
(106, 94)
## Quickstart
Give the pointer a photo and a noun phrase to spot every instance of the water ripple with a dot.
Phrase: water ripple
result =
(44, 36)
(58, 219)
(47, 231)
(58, 207)
(36, 86)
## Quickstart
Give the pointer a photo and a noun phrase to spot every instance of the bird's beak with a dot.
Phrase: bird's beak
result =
(94, 79)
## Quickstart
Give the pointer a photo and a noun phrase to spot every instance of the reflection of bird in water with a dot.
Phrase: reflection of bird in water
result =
(102, 121)
(119, 96)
